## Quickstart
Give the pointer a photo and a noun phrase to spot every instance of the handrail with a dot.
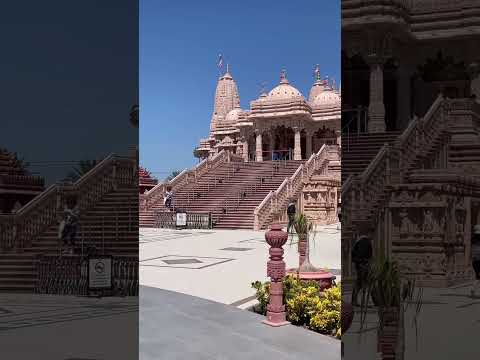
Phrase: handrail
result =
(158, 190)
(407, 148)
(290, 187)
(19, 229)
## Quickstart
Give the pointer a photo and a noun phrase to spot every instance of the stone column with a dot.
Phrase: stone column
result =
(245, 149)
(297, 151)
(276, 238)
(403, 97)
(259, 146)
(474, 72)
(376, 108)
(308, 151)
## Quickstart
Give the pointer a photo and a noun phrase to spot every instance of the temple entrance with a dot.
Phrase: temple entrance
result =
(323, 136)
(283, 143)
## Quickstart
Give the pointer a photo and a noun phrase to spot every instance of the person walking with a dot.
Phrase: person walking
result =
(68, 226)
(167, 200)
(291, 210)
(475, 260)
(361, 256)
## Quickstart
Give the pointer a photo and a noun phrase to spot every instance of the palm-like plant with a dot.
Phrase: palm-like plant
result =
(173, 175)
(304, 229)
(83, 167)
(391, 292)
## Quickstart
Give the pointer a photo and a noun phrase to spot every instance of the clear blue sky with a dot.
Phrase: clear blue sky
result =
(179, 45)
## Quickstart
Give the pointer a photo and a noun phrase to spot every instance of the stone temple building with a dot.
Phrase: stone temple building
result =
(280, 124)
(411, 134)
(285, 148)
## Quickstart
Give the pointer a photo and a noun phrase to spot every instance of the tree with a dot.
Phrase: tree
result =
(134, 115)
(83, 167)
(174, 174)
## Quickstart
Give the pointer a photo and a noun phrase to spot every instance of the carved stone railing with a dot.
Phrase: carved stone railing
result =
(276, 201)
(18, 230)
(164, 219)
(22, 180)
(156, 194)
(410, 150)
(419, 136)
(68, 275)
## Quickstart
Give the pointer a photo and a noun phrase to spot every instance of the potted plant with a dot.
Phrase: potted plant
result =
(303, 228)
(392, 293)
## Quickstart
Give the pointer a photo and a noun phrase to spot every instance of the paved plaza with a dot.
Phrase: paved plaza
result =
(448, 325)
(220, 265)
(51, 327)
(175, 326)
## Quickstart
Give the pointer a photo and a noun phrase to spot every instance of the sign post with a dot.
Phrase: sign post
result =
(100, 273)
(181, 220)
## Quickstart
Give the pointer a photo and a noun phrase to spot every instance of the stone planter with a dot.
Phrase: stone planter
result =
(302, 248)
(347, 314)
(387, 336)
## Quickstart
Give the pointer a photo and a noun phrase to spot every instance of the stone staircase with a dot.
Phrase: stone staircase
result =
(359, 150)
(430, 171)
(110, 226)
(230, 192)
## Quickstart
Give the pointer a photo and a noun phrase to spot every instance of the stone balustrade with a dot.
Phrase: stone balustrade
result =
(19, 229)
(276, 201)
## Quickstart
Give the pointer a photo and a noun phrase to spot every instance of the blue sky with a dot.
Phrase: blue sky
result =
(179, 45)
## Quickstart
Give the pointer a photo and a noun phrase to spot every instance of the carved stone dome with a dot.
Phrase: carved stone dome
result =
(327, 99)
(284, 90)
(233, 115)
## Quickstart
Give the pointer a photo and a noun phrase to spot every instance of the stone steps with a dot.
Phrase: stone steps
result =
(112, 225)
(204, 198)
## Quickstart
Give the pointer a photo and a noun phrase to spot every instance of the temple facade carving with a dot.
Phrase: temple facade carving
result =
(413, 78)
(280, 124)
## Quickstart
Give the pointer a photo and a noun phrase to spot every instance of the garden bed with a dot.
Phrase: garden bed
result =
(305, 304)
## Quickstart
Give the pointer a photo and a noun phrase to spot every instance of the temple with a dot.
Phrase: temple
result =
(145, 180)
(284, 148)
(411, 134)
(280, 124)
(17, 187)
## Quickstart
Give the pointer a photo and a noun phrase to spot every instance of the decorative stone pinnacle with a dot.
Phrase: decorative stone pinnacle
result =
(276, 238)
(317, 73)
(283, 77)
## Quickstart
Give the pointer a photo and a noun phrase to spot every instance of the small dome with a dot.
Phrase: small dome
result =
(283, 91)
(233, 115)
(327, 99)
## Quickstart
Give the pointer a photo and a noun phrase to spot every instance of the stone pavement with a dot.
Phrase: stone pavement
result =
(175, 326)
(448, 328)
(51, 327)
(220, 265)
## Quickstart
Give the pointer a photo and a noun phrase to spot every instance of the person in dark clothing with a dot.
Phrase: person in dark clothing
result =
(69, 225)
(361, 256)
(291, 210)
(475, 250)
(167, 200)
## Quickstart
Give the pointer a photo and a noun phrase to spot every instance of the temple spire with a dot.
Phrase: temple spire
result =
(317, 73)
(283, 77)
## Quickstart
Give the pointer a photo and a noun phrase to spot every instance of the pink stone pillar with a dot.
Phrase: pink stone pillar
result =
(276, 238)
(376, 108)
(297, 151)
(259, 146)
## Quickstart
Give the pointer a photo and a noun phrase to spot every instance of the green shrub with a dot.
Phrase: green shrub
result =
(305, 304)
(301, 307)
(326, 318)
(262, 294)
